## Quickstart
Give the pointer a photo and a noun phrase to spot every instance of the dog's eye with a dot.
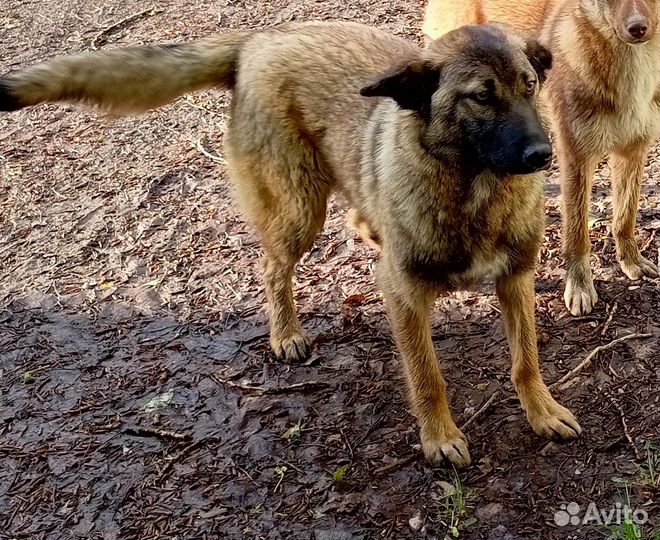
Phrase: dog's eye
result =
(530, 86)
(481, 97)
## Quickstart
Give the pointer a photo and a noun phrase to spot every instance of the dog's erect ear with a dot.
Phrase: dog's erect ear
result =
(539, 57)
(410, 84)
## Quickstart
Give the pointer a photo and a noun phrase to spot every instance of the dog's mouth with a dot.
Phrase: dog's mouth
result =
(522, 170)
(536, 158)
(630, 39)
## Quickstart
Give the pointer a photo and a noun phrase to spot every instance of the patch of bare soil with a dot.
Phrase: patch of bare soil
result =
(126, 274)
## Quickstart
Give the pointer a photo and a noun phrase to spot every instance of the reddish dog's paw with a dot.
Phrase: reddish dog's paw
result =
(294, 348)
(451, 447)
(553, 421)
(580, 295)
(639, 268)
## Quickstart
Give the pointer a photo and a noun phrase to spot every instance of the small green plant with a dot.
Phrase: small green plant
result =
(340, 473)
(648, 477)
(294, 432)
(454, 508)
(27, 377)
(255, 510)
(649, 471)
(628, 529)
(280, 471)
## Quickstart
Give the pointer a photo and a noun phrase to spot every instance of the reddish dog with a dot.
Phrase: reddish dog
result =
(604, 91)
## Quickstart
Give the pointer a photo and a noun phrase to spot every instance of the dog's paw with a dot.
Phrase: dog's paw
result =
(580, 295)
(639, 268)
(554, 421)
(293, 347)
(452, 447)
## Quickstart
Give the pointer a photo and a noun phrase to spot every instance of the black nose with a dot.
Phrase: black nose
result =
(638, 29)
(538, 156)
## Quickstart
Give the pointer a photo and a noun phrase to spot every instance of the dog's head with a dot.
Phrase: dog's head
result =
(475, 90)
(632, 21)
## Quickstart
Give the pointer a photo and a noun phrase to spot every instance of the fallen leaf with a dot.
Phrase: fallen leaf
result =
(161, 401)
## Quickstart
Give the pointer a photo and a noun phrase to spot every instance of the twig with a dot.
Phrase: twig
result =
(615, 306)
(101, 37)
(153, 432)
(261, 390)
(212, 157)
(396, 464)
(281, 473)
(638, 454)
(647, 243)
(177, 457)
(481, 410)
(590, 357)
(309, 385)
(197, 143)
(190, 102)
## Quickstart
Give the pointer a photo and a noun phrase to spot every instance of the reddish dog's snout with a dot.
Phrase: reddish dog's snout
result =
(635, 20)
(638, 27)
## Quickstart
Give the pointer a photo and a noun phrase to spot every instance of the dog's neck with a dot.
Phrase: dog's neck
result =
(460, 172)
(583, 40)
(453, 159)
(446, 164)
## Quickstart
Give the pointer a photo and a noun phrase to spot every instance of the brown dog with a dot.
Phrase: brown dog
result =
(438, 157)
(604, 92)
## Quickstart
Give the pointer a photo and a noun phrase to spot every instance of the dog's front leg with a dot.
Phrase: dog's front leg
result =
(576, 172)
(547, 417)
(409, 307)
(628, 170)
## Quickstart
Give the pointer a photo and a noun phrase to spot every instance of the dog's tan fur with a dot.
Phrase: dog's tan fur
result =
(604, 95)
(299, 129)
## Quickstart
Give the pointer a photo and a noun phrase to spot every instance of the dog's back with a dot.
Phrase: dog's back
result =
(315, 74)
(527, 16)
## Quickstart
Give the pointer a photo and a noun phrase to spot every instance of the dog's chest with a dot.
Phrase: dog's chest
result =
(490, 263)
(457, 254)
(493, 230)
(457, 264)
(636, 115)
(454, 268)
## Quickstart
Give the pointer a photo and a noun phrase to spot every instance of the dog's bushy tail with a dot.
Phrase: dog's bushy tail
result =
(129, 80)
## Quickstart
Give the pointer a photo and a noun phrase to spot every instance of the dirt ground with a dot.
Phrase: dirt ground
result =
(127, 274)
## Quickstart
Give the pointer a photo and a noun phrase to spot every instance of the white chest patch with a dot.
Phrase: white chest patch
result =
(481, 268)
(637, 117)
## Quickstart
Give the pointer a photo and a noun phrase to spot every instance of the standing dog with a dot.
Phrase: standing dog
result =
(604, 92)
(437, 151)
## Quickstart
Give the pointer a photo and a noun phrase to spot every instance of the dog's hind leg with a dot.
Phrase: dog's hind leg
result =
(285, 240)
(576, 180)
(409, 307)
(547, 417)
(357, 223)
(286, 201)
(627, 173)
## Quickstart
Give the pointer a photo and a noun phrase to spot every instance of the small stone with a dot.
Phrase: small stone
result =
(416, 522)
(447, 489)
(549, 449)
(488, 512)
(500, 533)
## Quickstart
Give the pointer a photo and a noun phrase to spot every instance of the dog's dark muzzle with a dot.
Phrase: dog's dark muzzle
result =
(537, 157)
(529, 147)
